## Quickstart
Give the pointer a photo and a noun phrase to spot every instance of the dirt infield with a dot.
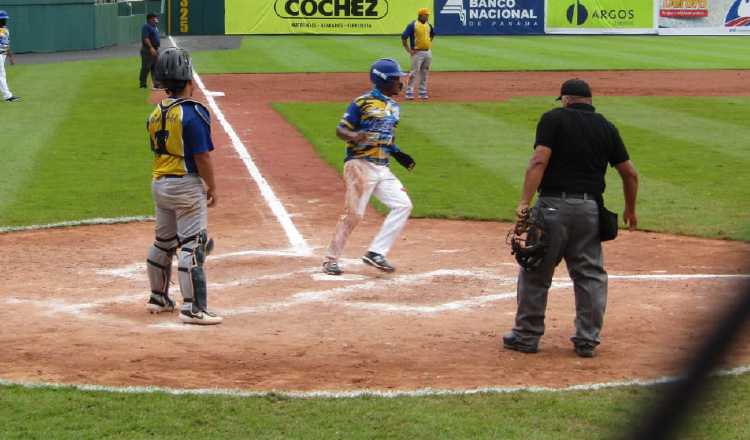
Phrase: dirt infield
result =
(75, 298)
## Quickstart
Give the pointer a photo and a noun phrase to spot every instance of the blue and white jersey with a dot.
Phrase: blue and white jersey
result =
(378, 116)
(4, 40)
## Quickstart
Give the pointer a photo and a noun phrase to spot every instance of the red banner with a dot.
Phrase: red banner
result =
(684, 8)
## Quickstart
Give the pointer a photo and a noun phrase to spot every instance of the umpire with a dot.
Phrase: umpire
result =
(150, 42)
(573, 146)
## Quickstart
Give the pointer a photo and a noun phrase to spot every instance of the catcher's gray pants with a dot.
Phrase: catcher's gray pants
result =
(182, 212)
(420, 67)
(181, 207)
(572, 227)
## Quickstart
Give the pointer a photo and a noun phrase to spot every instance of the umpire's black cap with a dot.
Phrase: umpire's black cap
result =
(575, 87)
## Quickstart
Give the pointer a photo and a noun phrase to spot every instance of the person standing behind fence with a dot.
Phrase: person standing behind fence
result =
(5, 52)
(419, 34)
(150, 42)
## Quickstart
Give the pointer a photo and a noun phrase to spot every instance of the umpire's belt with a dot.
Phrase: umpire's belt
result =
(567, 195)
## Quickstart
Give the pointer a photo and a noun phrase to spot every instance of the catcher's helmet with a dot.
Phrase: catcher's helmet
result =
(174, 64)
(4, 15)
(385, 69)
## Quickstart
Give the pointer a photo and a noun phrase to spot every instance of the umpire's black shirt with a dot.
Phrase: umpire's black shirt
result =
(583, 142)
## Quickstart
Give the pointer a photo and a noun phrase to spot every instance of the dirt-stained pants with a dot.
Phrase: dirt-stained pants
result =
(364, 179)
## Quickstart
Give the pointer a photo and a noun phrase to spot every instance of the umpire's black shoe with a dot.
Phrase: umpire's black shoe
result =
(513, 342)
(378, 261)
(13, 99)
(585, 350)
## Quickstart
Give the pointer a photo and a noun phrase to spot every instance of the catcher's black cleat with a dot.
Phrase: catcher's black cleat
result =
(331, 267)
(159, 303)
(378, 261)
(513, 342)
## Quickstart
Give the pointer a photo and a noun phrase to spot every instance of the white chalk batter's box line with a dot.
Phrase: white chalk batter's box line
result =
(337, 295)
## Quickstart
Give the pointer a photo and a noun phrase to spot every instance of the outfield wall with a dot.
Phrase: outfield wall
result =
(60, 25)
(459, 17)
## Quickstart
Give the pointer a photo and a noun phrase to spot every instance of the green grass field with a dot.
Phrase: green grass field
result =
(472, 156)
(354, 54)
(75, 148)
(606, 414)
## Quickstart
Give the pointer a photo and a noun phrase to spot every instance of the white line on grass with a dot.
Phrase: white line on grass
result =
(351, 394)
(86, 222)
(295, 238)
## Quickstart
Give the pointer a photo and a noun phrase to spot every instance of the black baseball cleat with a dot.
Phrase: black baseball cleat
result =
(378, 261)
(13, 99)
(585, 350)
(513, 342)
(159, 303)
(331, 267)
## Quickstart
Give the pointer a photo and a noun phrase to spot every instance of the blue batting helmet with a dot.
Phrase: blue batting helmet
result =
(4, 14)
(383, 70)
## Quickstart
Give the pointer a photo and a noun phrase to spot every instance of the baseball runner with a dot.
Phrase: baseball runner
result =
(5, 52)
(183, 188)
(419, 35)
(368, 128)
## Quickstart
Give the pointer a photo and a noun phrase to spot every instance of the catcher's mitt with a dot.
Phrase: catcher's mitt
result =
(528, 240)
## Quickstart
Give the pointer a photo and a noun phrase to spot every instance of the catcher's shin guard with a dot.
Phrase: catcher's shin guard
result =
(191, 274)
(159, 264)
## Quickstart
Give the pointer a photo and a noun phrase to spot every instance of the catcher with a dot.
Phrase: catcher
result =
(368, 128)
(573, 146)
(183, 188)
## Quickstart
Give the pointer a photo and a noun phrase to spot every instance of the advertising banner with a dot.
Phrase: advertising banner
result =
(704, 17)
(332, 17)
(489, 17)
(601, 16)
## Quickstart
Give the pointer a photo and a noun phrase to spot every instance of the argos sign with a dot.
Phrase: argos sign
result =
(601, 16)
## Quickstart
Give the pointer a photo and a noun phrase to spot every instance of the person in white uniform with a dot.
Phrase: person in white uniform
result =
(5, 52)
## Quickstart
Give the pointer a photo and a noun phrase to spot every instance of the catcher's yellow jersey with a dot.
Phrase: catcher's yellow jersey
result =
(178, 129)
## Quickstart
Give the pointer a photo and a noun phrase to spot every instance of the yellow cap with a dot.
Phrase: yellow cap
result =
(423, 11)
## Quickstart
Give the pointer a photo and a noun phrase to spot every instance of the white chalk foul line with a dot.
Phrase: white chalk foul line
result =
(295, 238)
(85, 222)
(353, 394)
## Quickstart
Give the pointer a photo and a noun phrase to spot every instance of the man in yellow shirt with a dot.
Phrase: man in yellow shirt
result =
(417, 40)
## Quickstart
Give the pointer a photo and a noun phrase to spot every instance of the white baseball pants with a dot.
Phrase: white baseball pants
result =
(3, 82)
(363, 180)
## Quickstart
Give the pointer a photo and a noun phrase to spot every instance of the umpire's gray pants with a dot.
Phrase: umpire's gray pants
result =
(572, 227)
(181, 206)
